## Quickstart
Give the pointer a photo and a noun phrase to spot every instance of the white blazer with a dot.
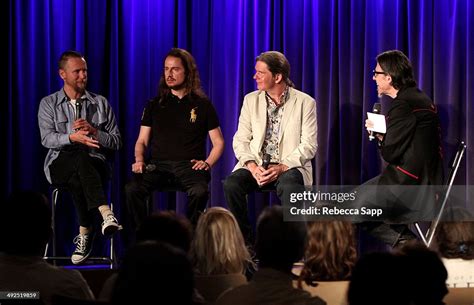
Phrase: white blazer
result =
(298, 132)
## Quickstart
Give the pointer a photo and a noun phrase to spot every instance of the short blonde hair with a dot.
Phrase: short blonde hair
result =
(218, 246)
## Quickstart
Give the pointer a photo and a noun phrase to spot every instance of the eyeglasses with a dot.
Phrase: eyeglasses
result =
(378, 72)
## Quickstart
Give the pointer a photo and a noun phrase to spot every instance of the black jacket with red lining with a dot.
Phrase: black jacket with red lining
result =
(411, 145)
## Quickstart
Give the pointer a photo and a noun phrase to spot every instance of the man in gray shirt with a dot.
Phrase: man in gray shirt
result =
(79, 127)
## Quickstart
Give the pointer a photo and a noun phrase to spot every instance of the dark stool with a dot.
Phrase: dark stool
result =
(453, 169)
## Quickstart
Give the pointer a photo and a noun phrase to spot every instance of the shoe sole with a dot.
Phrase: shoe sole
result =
(111, 230)
(77, 262)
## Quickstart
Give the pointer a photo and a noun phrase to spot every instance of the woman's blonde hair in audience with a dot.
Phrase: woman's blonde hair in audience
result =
(330, 252)
(218, 246)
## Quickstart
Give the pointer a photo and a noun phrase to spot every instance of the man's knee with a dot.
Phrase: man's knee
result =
(74, 183)
(199, 191)
(83, 158)
(231, 183)
(290, 182)
(291, 177)
(135, 188)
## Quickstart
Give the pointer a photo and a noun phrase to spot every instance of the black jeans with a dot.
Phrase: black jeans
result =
(389, 233)
(85, 177)
(179, 173)
(241, 182)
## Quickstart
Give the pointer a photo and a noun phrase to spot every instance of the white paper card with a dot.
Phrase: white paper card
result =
(379, 122)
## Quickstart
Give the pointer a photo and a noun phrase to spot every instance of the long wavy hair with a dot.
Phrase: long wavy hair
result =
(192, 81)
(330, 252)
(218, 246)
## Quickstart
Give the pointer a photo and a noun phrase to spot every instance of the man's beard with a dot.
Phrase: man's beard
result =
(80, 89)
(177, 87)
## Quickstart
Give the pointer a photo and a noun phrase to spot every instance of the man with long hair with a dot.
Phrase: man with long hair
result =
(176, 122)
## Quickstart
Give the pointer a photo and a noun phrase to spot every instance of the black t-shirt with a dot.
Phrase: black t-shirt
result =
(179, 128)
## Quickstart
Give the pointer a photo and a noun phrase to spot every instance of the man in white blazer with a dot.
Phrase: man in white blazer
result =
(278, 122)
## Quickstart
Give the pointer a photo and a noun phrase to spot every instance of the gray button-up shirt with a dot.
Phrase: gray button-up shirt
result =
(56, 117)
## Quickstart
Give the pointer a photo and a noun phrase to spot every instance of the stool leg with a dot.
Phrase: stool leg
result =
(111, 248)
(54, 199)
(53, 220)
(46, 250)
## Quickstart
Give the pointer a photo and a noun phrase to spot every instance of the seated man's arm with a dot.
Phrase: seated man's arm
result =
(217, 141)
(50, 136)
(243, 136)
(140, 149)
(109, 136)
(241, 143)
(401, 127)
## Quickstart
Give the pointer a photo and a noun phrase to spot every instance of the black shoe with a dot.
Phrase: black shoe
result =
(110, 225)
(406, 236)
(83, 244)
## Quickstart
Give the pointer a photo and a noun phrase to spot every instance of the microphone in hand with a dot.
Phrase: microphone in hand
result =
(266, 161)
(149, 168)
(377, 108)
(77, 115)
(78, 109)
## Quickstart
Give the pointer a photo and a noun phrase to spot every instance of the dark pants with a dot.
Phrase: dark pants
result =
(168, 173)
(85, 177)
(391, 234)
(241, 182)
(388, 233)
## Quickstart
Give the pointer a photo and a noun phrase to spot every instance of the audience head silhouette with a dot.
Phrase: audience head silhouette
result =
(412, 275)
(154, 273)
(167, 227)
(425, 274)
(29, 237)
(378, 278)
(279, 243)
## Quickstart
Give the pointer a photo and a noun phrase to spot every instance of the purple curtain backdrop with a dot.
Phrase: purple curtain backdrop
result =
(331, 46)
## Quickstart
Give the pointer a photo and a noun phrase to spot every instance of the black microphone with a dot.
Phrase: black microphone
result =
(266, 161)
(150, 168)
(78, 109)
(376, 110)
